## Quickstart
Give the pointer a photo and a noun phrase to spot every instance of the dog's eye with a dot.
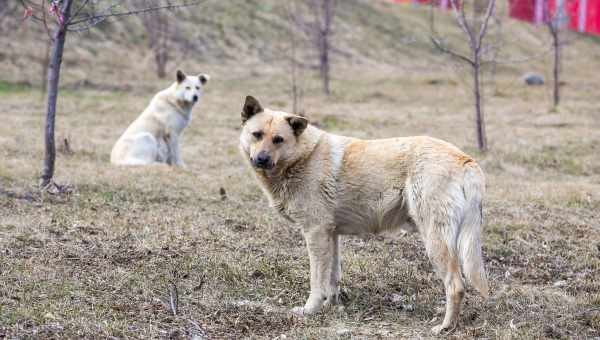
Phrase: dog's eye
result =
(257, 134)
(197, 87)
(277, 140)
(188, 88)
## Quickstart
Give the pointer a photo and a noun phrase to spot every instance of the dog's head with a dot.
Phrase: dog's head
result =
(189, 88)
(270, 138)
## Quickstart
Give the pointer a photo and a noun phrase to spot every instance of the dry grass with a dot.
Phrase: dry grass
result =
(99, 262)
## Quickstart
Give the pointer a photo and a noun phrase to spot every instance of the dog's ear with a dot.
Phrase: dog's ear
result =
(204, 78)
(298, 124)
(180, 76)
(251, 107)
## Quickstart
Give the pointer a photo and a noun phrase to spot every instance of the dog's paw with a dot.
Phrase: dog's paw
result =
(298, 311)
(437, 330)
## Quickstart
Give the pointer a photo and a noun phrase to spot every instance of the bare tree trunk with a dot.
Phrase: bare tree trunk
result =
(554, 22)
(325, 45)
(296, 91)
(556, 69)
(319, 32)
(58, 44)
(479, 119)
(296, 88)
(162, 50)
(324, 65)
(432, 5)
(157, 30)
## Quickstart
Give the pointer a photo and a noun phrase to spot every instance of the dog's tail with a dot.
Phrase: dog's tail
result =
(469, 237)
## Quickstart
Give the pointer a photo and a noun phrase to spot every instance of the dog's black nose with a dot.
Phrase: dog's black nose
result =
(195, 98)
(263, 160)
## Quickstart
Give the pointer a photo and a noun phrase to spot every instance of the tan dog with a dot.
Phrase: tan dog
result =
(154, 136)
(336, 185)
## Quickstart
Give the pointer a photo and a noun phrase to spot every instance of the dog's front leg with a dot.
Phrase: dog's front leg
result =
(174, 153)
(325, 269)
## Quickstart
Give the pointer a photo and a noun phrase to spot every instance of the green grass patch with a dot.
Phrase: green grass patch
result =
(331, 122)
(550, 158)
(8, 87)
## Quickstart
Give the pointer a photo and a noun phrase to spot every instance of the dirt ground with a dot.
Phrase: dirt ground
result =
(104, 259)
(101, 261)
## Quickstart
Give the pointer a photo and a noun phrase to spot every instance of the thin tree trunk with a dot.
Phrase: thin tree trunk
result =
(58, 44)
(325, 65)
(294, 69)
(479, 120)
(162, 54)
(556, 67)
(324, 44)
(432, 5)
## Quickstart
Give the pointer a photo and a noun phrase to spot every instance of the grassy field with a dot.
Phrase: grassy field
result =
(102, 261)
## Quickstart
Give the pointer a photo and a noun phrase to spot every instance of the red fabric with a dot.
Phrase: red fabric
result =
(593, 17)
(522, 9)
(525, 10)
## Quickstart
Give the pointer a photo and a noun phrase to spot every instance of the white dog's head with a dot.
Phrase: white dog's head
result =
(189, 88)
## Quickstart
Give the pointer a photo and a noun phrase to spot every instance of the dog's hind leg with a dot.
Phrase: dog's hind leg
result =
(447, 266)
(437, 212)
(325, 269)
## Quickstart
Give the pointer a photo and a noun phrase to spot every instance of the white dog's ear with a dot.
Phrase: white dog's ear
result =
(204, 78)
(251, 107)
(180, 76)
(298, 124)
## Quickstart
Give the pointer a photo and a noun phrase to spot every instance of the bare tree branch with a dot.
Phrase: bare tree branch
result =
(135, 12)
(319, 32)
(462, 22)
(78, 10)
(486, 20)
(444, 49)
(475, 60)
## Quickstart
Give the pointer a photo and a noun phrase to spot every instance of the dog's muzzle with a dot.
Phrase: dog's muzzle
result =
(195, 98)
(263, 161)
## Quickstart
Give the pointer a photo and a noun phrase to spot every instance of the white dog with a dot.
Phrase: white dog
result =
(154, 136)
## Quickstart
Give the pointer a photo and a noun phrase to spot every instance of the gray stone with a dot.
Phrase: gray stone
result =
(533, 79)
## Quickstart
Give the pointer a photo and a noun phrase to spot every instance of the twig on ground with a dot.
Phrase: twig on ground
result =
(173, 298)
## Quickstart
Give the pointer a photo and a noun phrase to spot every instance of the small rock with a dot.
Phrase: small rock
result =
(257, 274)
(396, 298)
(223, 193)
(560, 283)
(343, 332)
(533, 79)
